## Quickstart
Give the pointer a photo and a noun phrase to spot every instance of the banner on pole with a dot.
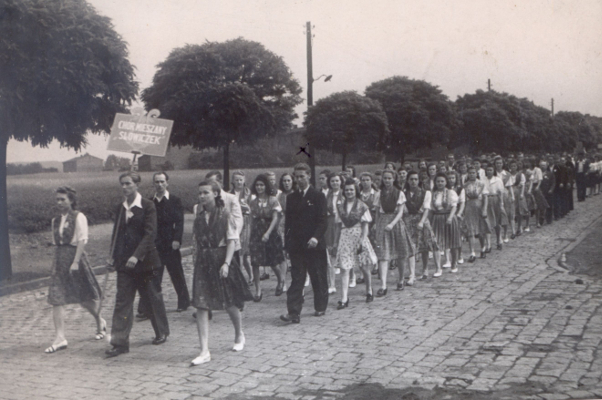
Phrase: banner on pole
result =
(140, 134)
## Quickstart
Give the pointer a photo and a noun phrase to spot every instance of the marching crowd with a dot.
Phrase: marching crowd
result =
(361, 226)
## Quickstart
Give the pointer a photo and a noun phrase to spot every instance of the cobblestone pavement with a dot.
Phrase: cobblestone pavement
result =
(505, 322)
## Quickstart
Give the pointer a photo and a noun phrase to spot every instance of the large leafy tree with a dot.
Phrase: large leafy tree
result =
(63, 72)
(346, 122)
(419, 114)
(223, 93)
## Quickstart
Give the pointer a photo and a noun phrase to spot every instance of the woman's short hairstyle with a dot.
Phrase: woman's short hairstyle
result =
(442, 175)
(352, 168)
(351, 182)
(71, 194)
(281, 184)
(135, 176)
(366, 173)
(269, 189)
(216, 188)
(332, 175)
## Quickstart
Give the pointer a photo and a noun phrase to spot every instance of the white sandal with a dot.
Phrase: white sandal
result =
(55, 348)
(201, 360)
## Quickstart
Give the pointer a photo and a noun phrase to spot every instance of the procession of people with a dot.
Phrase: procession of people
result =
(359, 226)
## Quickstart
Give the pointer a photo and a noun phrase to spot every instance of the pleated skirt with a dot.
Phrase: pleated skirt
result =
(473, 218)
(495, 211)
(448, 236)
(394, 244)
(509, 208)
(424, 239)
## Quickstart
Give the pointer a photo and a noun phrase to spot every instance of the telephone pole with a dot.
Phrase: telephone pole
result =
(310, 98)
(552, 106)
(489, 85)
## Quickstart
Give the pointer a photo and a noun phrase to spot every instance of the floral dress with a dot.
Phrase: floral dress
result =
(270, 253)
(351, 216)
(210, 290)
(66, 286)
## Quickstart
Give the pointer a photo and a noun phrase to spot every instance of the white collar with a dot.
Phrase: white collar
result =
(136, 203)
(303, 192)
(166, 195)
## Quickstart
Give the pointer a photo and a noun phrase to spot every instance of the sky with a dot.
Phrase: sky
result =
(539, 49)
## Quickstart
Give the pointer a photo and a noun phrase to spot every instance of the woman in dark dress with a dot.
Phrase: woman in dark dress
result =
(71, 280)
(218, 282)
(265, 243)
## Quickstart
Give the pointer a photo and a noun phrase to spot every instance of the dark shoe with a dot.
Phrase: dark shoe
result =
(513, 236)
(116, 350)
(264, 276)
(381, 292)
(483, 255)
(374, 271)
(519, 233)
(472, 259)
(142, 317)
(500, 247)
(392, 267)
(319, 313)
(488, 250)
(160, 339)
(424, 277)
(295, 319)
(360, 280)
(279, 291)
(257, 299)
(369, 298)
(400, 286)
(341, 305)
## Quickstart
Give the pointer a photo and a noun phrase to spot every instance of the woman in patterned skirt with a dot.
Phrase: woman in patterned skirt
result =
(370, 196)
(218, 282)
(418, 204)
(240, 189)
(453, 183)
(392, 240)
(287, 186)
(495, 205)
(71, 279)
(518, 192)
(334, 198)
(354, 249)
(445, 224)
(265, 244)
(475, 219)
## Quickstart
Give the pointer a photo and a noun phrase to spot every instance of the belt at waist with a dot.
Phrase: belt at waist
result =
(441, 212)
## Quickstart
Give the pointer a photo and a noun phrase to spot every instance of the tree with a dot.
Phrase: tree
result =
(63, 71)
(223, 93)
(114, 163)
(419, 114)
(345, 122)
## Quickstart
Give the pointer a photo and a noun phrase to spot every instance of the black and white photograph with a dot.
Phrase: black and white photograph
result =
(298, 200)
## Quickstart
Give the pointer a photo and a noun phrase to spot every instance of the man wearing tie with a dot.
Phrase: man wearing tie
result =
(136, 260)
(304, 228)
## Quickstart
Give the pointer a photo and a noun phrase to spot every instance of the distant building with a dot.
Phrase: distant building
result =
(85, 163)
(175, 157)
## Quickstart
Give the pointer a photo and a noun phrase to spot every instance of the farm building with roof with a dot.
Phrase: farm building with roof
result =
(85, 163)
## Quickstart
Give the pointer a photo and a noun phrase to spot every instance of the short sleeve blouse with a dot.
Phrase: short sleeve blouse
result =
(452, 200)
(81, 228)
(401, 200)
(366, 217)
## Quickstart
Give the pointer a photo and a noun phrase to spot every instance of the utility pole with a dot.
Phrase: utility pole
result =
(310, 98)
(489, 85)
(552, 106)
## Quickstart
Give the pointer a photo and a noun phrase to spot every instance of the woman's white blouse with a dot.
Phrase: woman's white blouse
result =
(365, 218)
(81, 229)
(452, 199)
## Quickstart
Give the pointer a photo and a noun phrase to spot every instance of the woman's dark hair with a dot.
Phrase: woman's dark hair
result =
(281, 183)
(351, 182)
(390, 163)
(441, 175)
(393, 173)
(136, 178)
(332, 176)
(352, 168)
(71, 194)
(527, 164)
(216, 188)
(490, 165)
(269, 189)
(454, 173)
(429, 167)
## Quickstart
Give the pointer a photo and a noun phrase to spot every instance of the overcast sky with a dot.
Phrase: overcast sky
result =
(536, 49)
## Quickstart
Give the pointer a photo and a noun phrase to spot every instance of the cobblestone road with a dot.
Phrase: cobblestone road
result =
(505, 322)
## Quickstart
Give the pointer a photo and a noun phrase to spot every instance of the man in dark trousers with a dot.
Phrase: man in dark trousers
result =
(570, 175)
(581, 173)
(170, 228)
(559, 170)
(135, 258)
(547, 187)
(304, 228)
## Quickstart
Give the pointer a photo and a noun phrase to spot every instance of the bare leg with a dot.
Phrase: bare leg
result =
(412, 262)
(256, 279)
(202, 324)
(331, 274)
(437, 258)
(236, 319)
(384, 269)
(93, 307)
(401, 268)
(278, 273)
(367, 278)
(283, 271)
(344, 284)
(425, 263)
(245, 261)
(58, 316)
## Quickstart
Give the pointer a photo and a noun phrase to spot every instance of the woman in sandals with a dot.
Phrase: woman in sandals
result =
(418, 205)
(71, 280)
(445, 224)
(354, 249)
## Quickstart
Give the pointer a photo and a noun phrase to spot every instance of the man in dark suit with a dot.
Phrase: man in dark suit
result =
(304, 228)
(170, 228)
(560, 175)
(135, 258)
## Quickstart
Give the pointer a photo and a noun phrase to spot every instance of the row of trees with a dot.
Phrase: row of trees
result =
(29, 168)
(398, 114)
(65, 72)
